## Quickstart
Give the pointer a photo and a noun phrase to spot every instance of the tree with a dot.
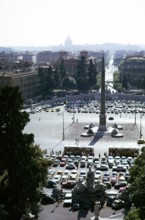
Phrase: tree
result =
(82, 75)
(124, 82)
(92, 75)
(22, 167)
(62, 70)
(137, 180)
(133, 215)
(50, 80)
(69, 83)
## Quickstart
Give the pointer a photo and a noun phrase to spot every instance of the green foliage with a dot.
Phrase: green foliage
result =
(116, 77)
(98, 81)
(86, 75)
(92, 75)
(133, 215)
(68, 83)
(124, 82)
(62, 70)
(142, 83)
(137, 180)
(22, 167)
(118, 87)
(117, 81)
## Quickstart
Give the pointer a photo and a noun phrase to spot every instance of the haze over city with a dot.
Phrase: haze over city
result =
(49, 22)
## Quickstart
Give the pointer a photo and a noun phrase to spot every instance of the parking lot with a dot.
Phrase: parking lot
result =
(54, 130)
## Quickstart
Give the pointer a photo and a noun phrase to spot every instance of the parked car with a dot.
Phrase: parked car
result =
(90, 161)
(82, 164)
(47, 199)
(110, 160)
(51, 183)
(56, 163)
(110, 197)
(62, 162)
(117, 204)
(117, 160)
(83, 174)
(110, 118)
(69, 184)
(56, 178)
(64, 178)
(102, 167)
(113, 180)
(119, 168)
(120, 184)
(50, 173)
(67, 199)
(70, 166)
(106, 176)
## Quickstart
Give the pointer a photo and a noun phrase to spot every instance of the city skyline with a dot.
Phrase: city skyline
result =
(49, 22)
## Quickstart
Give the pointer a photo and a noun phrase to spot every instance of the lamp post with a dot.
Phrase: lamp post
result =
(135, 114)
(73, 115)
(141, 115)
(63, 126)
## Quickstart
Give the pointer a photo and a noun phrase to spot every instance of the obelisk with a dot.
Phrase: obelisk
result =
(102, 125)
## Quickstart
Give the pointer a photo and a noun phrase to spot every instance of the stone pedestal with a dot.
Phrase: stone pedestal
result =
(102, 126)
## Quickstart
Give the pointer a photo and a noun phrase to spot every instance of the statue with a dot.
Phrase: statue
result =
(90, 179)
(96, 211)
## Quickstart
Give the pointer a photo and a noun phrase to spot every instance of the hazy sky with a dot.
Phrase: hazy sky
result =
(49, 22)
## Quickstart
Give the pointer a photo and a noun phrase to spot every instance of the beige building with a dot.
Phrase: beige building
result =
(28, 83)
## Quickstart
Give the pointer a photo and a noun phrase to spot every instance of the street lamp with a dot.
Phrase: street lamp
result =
(135, 114)
(73, 115)
(141, 115)
(63, 126)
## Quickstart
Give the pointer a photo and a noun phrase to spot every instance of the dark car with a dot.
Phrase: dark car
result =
(47, 199)
(110, 118)
(102, 167)
(117, 204)
(51, 184)
(119, 168)
(69, 184)
(70, 166)
(110, 197)
(120, 184)
(76, 162)
(83, 164)
(56, 163)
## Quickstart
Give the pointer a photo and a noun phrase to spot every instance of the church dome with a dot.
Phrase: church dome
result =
(68, 41)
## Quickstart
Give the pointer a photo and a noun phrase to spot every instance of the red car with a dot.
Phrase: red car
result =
(62, 162)
(69, 184)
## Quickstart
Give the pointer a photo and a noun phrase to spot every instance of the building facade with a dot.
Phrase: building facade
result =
(28, 83)
(133, 69)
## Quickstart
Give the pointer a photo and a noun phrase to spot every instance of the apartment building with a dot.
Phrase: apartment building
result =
(28, 83)
(133, 68)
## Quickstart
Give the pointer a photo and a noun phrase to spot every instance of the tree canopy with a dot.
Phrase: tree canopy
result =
(22, 167)
(137, 187)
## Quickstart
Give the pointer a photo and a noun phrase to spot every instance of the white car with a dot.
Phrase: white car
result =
(83, 174)
(67, 199)
(64, 178)
(57, 178)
